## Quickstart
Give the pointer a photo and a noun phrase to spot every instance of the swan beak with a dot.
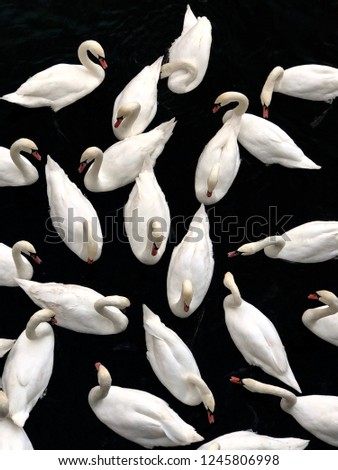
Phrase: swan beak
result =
(103, 63)
(154, 249)
(82, 167)
(211, 417)
(232, 254)
(265, 112)
(35, 258)
(186, 308)
(97, 365)
(313, 296)
(90, 261)
(209, 193)
(216, 107)
(118, 121)
(36, 154)
(236, 380)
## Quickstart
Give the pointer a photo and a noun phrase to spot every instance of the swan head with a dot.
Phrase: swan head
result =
(94, 48)
(187, 293)
(88, 156)
(26, 145)
(155, 235)
(228, 280)
(230, 97)
(268, 87)
(326, 297)
(28, 249)
(245, 250)
(250, 384)
(126, 110)
(103, 375)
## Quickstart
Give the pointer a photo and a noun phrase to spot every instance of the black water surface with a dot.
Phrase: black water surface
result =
(250, 37)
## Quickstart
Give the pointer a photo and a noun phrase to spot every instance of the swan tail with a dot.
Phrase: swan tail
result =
(183, 434)
(20, 418)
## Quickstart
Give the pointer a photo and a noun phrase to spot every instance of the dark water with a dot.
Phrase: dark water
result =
(249, 38)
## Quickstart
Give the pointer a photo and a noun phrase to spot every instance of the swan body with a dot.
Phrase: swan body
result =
(147, 217)
(5, 346)
(263, 139)
(255, 336)
(62, 84)
(138, 416)
(249, 440)
(312, 82)
(14, 264)
(189, 54)
(122, 162)
(312, 242)
(323, 320)
(79, 308)
(219, 162)
(72, 214)
(191, 267)
(136, 105)
(174, 364)
(15, 169)
(12, 437)
(318, 414)
(29, 366)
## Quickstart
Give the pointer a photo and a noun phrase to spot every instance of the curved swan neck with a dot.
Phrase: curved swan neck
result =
(101, 391)
(230, 97)
(266, 94)
(155, 237)
(288, 398)
(86, 61)
(276, 241)
(40, 316)
(212, 179)
(180, 65)
(93, 156)
(116, 301)
(19, 261)
(127, 115)
(235, 297)
(330, 307)
(90, 242)
(186, 295)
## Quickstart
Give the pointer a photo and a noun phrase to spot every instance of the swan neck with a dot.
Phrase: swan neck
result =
(87, 62)
(274, 241)
(315, 314)
(94, 170)
(19, 262)
(180, 65)
(17, 158)
(186, 295)
(89, 241)
(288, 398)
(32, 325)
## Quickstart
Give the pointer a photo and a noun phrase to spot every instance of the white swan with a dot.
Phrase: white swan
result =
(136, 105)
(189, 54)
(312, 242)
(147, 217)
(12, 437)
(312, 82)
(191, 267)
(79, 308)
(263, 139)
(14, 264)
(122, 162)
(323, 320)
(138, 416)
(219, 162)
(28, 367)
(174, 364)
(255, 336)
(15, 169)
(249, 440)
(72, 214)
(5, 346)
(62, 84)
(318, 414)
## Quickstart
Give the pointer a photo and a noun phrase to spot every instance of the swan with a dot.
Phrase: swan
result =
(5, 346)
(255, 336)
(138, 416)
(263, 139)
(318, 414)
(72, 214)
(12, 437)
(63, 84)
(191, 267)
(15, 169)
(311, 242)
(249, 440)
(14, 264)
(323, 320)
(122, 162)
(312, 82)
(136, 105)
(219, 162)
(174, 364)
(79, 308)
(28, 367)
(147, 217)
(189, 54)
